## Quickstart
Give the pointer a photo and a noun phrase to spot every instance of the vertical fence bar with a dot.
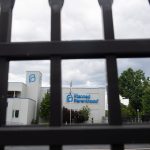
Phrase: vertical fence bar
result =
(56, 107)
(6, 19)
(3, 90)
(56, 112)
(112, 75)
(5, 36)
(56, 102)
(114, 112)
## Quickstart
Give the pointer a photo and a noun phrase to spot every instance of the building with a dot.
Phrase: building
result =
(94, 98)
(24, 100)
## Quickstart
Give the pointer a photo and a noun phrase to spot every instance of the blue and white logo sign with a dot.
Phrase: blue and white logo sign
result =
(69, 98)
(32, 78)
(77, 98)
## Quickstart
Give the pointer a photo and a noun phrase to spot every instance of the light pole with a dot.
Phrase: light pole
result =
(138, 115)
(70, 102)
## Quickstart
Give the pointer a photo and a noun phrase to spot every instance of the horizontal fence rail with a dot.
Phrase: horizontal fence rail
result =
(124, 134)
(76, 49)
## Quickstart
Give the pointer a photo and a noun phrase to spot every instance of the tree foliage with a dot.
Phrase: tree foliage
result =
(125, 111)
(131, 85)
(85, 112)
(76, 116)
(45, 107)
(146, 101)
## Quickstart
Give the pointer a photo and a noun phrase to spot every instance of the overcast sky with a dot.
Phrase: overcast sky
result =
(81, 20)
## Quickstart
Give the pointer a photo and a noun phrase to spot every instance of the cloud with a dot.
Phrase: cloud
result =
(17, 70)
(135, 63)
(81, 20)
(13, 77)
(81, 72)
(131, 19)
(84, 72)
(31, 21)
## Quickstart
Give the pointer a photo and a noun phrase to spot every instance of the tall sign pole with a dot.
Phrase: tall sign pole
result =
(70, 102)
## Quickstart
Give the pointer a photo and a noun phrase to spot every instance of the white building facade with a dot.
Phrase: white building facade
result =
(24, 100)
(93, 98)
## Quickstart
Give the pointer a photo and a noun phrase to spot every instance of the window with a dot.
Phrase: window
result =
(10, 94)
(15, 114)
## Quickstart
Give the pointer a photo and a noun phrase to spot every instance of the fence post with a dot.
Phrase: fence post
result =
(114, 112)
(5, 37)
(56, 102)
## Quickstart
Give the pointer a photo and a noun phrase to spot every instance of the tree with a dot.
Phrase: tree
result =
(131, 85)
(146, 101)
(76, 116)
(125, 111)
(45, 107)
(85, 112)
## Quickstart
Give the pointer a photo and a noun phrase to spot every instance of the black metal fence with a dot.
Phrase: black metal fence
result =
(115, 133)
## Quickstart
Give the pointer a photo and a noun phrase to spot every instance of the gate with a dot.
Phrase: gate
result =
(115, 133)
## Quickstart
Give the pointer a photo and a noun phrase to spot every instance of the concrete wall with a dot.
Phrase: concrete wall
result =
(18, 86)
(26, 109)
(31, 111)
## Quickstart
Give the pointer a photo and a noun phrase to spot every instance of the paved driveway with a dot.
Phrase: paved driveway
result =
(94, 147)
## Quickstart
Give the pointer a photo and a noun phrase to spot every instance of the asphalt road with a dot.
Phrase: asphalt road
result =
(94, 147)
